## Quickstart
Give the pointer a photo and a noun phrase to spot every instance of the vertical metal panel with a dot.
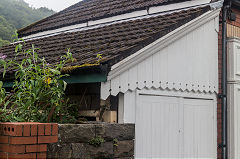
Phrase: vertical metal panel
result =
(133, 78)
(124, 81)
(129, 107)
(149, 72)
(156, 135)
(163, 57)
(115, 86)
(156, 68)
(105, 89)
(199, 129)
(121, 109)
(141, 74)
(234, 120)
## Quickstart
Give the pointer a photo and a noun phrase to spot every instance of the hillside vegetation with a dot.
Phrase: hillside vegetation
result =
(16, 14)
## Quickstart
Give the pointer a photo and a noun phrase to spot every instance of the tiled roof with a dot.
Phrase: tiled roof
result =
(87, 10)
(114, 42)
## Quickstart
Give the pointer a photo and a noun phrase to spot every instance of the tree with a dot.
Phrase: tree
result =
(16, 14)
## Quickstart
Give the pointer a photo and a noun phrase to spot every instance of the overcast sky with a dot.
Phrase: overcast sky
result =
(56, 5)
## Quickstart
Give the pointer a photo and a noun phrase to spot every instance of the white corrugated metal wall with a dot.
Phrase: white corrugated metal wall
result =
(190, 63)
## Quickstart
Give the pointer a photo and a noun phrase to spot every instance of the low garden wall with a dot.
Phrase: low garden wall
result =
(85, 141)
(94, 141)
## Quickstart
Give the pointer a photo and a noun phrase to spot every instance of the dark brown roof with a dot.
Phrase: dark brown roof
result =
(91, 10)
(114, 42)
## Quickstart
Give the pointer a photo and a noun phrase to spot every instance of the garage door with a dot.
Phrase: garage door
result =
(172, 127)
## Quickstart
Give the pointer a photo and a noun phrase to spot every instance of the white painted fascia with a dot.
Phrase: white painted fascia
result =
(176, 6)
(161, 43)
(119, 18)
(56, 31)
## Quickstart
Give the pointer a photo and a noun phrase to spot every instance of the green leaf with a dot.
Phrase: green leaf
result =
(1, 84)
(55, 71)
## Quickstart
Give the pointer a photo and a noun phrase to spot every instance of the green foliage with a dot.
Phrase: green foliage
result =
(96, 141)
(115, 142)
(38, 91)
(16, 14)
(20, 14)
(6, 29)
(3, 42)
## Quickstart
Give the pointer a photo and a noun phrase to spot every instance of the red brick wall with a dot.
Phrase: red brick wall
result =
(26, 140)
(237, 22)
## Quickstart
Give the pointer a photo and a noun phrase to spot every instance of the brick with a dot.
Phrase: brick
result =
(17, 130)
(17, 148)
(26, 130)
(34, 130)
(3, 139)
(3, 155)
(41, 129)
(1, 130)
(12, 148)
(54, 129)
(41, 155)
(22, 156)
(48, 128)
(36, 148)
(12, 129)
(22, 140)
(4, 147)
(47, 139)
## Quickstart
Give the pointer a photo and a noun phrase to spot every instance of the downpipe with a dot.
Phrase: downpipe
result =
(224, 80)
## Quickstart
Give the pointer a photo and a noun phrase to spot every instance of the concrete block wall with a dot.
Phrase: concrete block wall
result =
(26, 140)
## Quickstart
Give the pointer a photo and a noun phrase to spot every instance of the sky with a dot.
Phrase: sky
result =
(56, 5)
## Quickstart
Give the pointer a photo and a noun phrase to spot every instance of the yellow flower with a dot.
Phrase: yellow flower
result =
(48, 80)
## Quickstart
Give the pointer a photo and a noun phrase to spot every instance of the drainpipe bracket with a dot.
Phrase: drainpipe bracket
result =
(220, 96)
(221, 146)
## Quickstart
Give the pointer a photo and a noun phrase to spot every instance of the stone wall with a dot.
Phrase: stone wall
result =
(74, 141)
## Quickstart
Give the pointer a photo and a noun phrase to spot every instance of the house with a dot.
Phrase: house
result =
(159, 67)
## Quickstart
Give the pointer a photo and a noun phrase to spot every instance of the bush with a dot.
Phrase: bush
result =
(38, 91)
